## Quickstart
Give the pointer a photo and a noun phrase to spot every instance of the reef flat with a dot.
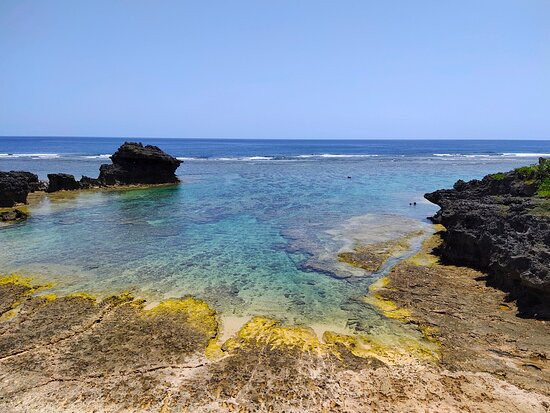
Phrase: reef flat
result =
(78, 353)
(477, 327)
(372, 257)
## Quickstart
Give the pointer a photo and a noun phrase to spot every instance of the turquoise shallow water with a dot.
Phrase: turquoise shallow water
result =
(254, 237)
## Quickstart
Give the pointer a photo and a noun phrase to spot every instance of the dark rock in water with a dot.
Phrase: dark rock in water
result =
(134, 163)
(16, 185)
(14, 188)
(86, 182)
(60, 182)
(501, 225)
(32, 180)
(12, 215)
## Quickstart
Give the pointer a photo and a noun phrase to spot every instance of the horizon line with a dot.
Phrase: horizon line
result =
(272, 138)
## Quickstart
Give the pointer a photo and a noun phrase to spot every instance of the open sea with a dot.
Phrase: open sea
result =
(255, 226)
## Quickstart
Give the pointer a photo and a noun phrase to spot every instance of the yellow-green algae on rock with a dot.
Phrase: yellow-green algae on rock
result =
(264, 331)
(371, 257)
(199, 315)
(17, 287)
(261, 331)
(386, 306)
(267, 332)
(83, 295)
(390, 309)
(16, 279)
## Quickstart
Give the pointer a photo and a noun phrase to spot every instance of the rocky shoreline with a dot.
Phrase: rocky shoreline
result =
(477, 327)
(501, 225)
(80, 353)
(132, 164)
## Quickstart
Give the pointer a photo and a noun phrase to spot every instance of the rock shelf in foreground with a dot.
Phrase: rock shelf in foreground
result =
(77, 353)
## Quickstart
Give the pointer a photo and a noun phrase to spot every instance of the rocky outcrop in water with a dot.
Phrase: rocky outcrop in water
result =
(134, 163)
(32, 180)
(62, 182)
(87, 183)
(15, 187)
(501, 225)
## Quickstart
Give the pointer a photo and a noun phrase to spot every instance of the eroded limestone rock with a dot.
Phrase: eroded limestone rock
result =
(134, 163)
(78, 353)
(501, 225)
(62, 182)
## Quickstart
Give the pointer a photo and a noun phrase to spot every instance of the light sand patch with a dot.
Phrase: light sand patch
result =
(230, 325)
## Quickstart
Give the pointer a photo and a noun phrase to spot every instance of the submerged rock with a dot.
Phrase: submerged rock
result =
(12, 215)
(60, 182)
(372, 257)
(134, 163)
(501, 225)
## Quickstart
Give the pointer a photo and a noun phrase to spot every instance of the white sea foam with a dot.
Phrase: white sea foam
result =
(526, 154)
(463, 155)
(258, 158)
(336, 155)
(30, 155)
(102, 156)
(449, 156)
(226, 158)
(286, 157)
(494, 155)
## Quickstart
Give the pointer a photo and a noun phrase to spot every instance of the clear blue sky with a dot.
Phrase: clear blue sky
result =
(280, 68)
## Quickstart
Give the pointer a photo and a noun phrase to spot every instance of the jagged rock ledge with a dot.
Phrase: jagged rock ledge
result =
(132, 164)
(78, 353)
(501, 225)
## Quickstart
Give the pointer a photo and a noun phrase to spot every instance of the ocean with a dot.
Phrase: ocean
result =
(255, 226)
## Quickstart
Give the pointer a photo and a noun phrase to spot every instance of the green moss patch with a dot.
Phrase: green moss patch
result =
(544, 188)
(497, 177)
(538, 174)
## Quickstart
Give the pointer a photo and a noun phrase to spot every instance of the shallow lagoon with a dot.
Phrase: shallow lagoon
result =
(250, 237)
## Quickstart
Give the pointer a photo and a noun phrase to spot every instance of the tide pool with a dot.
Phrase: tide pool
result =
(251, 238)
